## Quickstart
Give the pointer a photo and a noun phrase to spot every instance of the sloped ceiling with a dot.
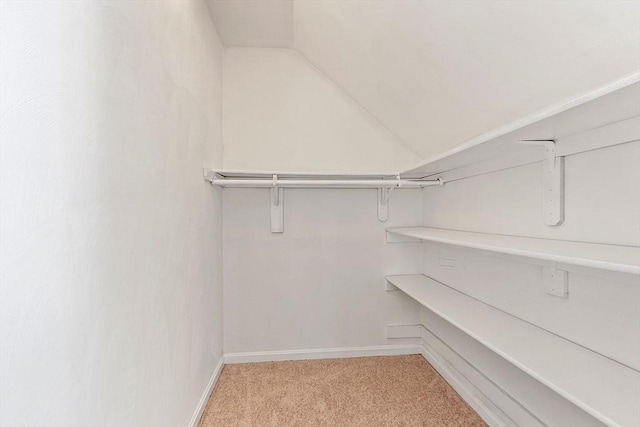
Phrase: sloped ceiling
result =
(438, 73)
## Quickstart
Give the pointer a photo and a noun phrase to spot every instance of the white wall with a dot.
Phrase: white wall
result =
(281, 114)
(111, 240)
(602, 311)
(319, 284)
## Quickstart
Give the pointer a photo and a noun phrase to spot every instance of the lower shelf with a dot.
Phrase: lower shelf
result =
(607, 390)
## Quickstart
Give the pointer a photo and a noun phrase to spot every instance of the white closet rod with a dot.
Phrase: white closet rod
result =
(324, 183)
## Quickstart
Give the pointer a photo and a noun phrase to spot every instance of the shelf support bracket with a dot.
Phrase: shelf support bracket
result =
(552, 182)
(383, 203)
(277, 209)
(384, 193)
(555, 281)
(209, 175)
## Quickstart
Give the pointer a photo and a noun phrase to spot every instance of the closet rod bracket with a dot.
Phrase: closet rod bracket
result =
(384, 193)
(277, 210)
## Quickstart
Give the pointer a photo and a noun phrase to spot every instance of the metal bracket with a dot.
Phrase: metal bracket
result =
(209, 175)
(383, 200)
(552, 183)
(383, 203)
(555, 281)
(277, 209)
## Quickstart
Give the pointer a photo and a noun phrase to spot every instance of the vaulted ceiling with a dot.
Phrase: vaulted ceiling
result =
(439, 73)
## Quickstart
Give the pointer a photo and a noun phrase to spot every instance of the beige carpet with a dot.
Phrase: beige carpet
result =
(364, 391)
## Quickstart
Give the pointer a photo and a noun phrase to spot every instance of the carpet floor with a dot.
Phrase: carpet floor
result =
(363, 391)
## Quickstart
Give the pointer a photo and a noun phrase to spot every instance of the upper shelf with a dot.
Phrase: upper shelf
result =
(253, 174)
(608, 105)
(625, 259)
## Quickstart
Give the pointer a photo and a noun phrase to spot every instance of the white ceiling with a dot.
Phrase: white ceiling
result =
(438, 73)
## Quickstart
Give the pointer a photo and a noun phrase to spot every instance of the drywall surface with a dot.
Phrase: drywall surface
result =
(281, 114)
(320, 284)
(111, 240)
(438, 73)
(602, 205)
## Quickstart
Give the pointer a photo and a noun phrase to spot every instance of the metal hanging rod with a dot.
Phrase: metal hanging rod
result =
(275, 181)
(384, 184)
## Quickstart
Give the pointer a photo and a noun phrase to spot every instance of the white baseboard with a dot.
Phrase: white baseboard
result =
(465, 389)
(494, 404)
(322, 353)
(197, 415)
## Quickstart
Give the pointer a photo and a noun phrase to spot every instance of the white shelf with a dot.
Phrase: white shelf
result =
(607, 105)
(232, 173)
(606, 389)
(625, 259)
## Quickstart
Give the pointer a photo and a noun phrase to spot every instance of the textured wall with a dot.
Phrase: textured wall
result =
(111, 240)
